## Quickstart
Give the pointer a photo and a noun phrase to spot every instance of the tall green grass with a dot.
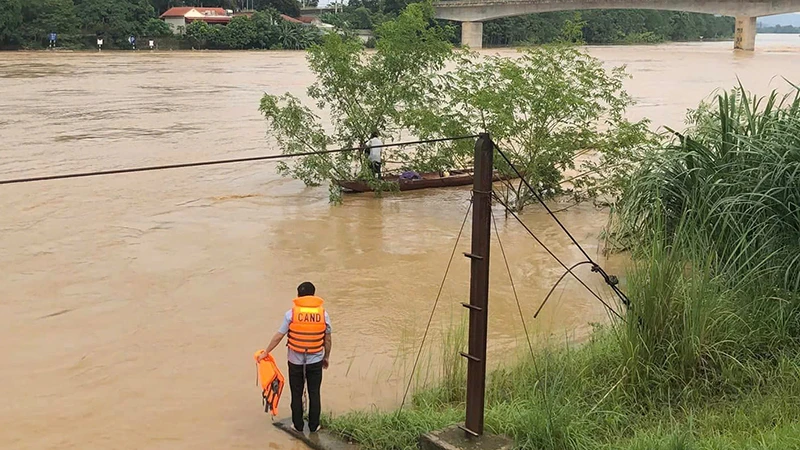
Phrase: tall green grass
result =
(715, 223)
(733, 182)
(709, 354)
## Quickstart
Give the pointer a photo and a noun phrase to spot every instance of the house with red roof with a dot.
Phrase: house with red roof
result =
(179, 17)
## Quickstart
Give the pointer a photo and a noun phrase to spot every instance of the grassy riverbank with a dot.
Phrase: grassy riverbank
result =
(709, 356)
(579, 399)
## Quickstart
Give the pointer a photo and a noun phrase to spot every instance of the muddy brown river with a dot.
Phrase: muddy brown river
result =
(131, 305)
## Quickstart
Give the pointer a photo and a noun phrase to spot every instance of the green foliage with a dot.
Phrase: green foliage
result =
(200, 34)
(42, 17)
(572, 31)
(361, 19)
(289, 7)
(780, 29)
(10, 19)
(363, 91)
(156, 28)
(264, 30)
(608, 27)
(238, 34)
(337, 20)
(117, 20)
(394, 7)
(715, 222)
(533, 29)
(734, 171)
(542, 109)
(351, 18)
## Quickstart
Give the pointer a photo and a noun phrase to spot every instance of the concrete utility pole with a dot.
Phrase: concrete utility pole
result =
(479, 284)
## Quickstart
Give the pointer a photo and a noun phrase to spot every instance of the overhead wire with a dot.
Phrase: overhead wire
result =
(558, 260)
(611, 280)
(553, 288)
(433, 310)
(513, 287)
(217, 162)
(541, 200)
(545, 398)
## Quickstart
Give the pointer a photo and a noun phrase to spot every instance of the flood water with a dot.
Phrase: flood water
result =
(131, 305)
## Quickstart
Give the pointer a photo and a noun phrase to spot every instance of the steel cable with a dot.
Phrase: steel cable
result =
(217, 162)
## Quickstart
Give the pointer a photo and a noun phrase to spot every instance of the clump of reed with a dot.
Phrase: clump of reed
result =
(714, 225)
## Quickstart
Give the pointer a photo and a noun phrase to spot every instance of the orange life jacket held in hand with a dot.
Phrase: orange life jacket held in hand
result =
(307, 329)
(271, 380)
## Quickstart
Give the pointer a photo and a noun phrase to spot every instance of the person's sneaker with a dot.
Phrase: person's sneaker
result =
(296, 430)
(318, 428)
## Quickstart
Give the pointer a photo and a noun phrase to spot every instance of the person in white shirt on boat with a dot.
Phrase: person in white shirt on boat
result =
(373, 148)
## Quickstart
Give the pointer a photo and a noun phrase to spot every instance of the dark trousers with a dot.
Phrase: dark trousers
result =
(376, 168)
(298, 377)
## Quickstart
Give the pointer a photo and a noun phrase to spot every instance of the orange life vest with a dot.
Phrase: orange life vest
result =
(307, 329)
(271, 380)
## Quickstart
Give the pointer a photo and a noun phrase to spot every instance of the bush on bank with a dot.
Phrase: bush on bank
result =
(709, 354)
(264, 30)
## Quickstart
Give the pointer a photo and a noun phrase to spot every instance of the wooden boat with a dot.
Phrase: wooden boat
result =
(428, 180)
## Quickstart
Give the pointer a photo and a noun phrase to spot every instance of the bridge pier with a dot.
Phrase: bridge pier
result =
(472, 34)
(745, 37)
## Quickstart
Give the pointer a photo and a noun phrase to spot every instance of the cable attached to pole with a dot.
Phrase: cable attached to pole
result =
(513, 287)
(541, 200)
(217, 162)
(569, 270)
(433, 310)
(545, 398)
(612, 281)
(552, 289)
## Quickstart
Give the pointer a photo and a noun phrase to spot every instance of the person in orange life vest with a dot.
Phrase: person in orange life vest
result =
(309, 342)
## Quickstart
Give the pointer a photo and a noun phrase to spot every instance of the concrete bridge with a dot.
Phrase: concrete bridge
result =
(472, 13)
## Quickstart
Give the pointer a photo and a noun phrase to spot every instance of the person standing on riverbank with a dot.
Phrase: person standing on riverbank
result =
(309, 342)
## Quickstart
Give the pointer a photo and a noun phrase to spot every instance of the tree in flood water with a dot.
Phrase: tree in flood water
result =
(545, 109)
(363, 91)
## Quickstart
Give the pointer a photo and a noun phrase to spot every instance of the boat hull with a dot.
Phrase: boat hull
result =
(429, 180)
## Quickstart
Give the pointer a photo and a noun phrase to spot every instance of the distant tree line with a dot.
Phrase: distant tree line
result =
(28, 23)
(780, 29)
(596, 26)
(609, 27)
(77, 23)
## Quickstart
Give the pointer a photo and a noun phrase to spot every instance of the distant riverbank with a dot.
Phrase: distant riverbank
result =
(173, 47)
